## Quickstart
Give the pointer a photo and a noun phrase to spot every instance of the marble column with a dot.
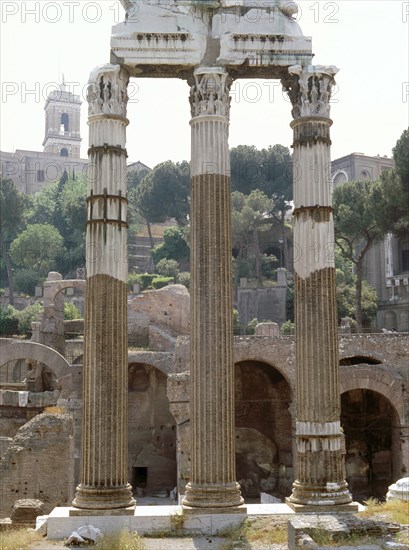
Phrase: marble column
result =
(213, 472)
(320, 479)
(104, 472)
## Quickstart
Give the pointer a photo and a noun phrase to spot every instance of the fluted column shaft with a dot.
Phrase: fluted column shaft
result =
(320, 468)
(213, 473)
(104, 474)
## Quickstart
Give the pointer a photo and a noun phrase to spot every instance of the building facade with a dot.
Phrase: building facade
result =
(386, 264)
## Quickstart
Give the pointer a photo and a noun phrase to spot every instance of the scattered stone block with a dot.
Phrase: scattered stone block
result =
(267, 329)
(25, 511)
(399, 490)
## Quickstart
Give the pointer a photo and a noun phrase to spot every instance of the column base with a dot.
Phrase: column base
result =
(190, 511)
(324, 495)
(130, 511)
(92, 501)
(322, 508)
(212, 496)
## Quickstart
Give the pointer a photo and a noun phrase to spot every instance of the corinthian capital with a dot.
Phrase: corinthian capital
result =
(107, 90)
(309, 89)
(209, 95)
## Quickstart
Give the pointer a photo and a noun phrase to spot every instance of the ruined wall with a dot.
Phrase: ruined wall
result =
(265, 403)
(37, 463)
(264, 304)
(152, 431)
(371, 430)
(265, 406)
(263, 430)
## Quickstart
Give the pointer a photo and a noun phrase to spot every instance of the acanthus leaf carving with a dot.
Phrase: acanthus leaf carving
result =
(309, 89)
(107, 90)
(209, 95)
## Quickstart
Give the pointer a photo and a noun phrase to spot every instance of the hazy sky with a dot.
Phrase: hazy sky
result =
(368, 40)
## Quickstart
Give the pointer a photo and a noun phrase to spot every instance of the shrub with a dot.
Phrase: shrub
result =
(184, 278)
(167, 268)
(287, 327)
(8, 321)
(160, 282)
(145, 280)
(251, 326)
(71, 312)
(27, 315)
(133, 279)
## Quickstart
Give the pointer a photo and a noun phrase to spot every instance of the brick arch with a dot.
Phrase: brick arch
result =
(376, 379)
(12, 351)
(270, 360)
(55, 287)
(162, 361)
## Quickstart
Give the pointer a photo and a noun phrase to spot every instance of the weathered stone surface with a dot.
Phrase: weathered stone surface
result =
(267, 329)
(152, 431)
(160, 340)
(213, 470)
(168, 308)
(302, 530)
(262, 304)
(164, 36)
(73, 326)
(104, 473)
(25, 511)
(399, 490)
(39, 464)
(138, 329)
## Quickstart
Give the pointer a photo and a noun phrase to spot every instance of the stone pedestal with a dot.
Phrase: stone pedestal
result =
(320, 479)
(213, 473)
(104, 475)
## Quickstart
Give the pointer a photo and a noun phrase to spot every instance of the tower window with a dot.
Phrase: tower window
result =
(64, 152)
(64, 124)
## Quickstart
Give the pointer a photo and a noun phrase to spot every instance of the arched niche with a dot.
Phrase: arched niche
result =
(151, 431)
(371, 426)
(263, 430)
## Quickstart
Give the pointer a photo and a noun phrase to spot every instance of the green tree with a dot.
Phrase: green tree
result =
(249, 217)
(72, 209)
(12, 206)
(394, 189)
(360, 216)
(173, 247)
(401, 158)
(271, 171)
(346, 283)
(167, 268)
(42, 205)
(135, 177)
(37, 247)
(163, 193)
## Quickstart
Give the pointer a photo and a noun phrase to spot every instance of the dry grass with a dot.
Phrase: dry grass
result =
(18, 539)
(121, 540)
(394, 510)
(261, 530)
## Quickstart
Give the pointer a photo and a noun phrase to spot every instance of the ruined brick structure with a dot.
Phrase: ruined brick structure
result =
(374, 413)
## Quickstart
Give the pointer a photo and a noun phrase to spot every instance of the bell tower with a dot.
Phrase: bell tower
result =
(62, 123)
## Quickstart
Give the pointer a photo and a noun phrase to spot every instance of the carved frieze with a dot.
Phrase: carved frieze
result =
(209, 95)
(309, 89)
(107, 91)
